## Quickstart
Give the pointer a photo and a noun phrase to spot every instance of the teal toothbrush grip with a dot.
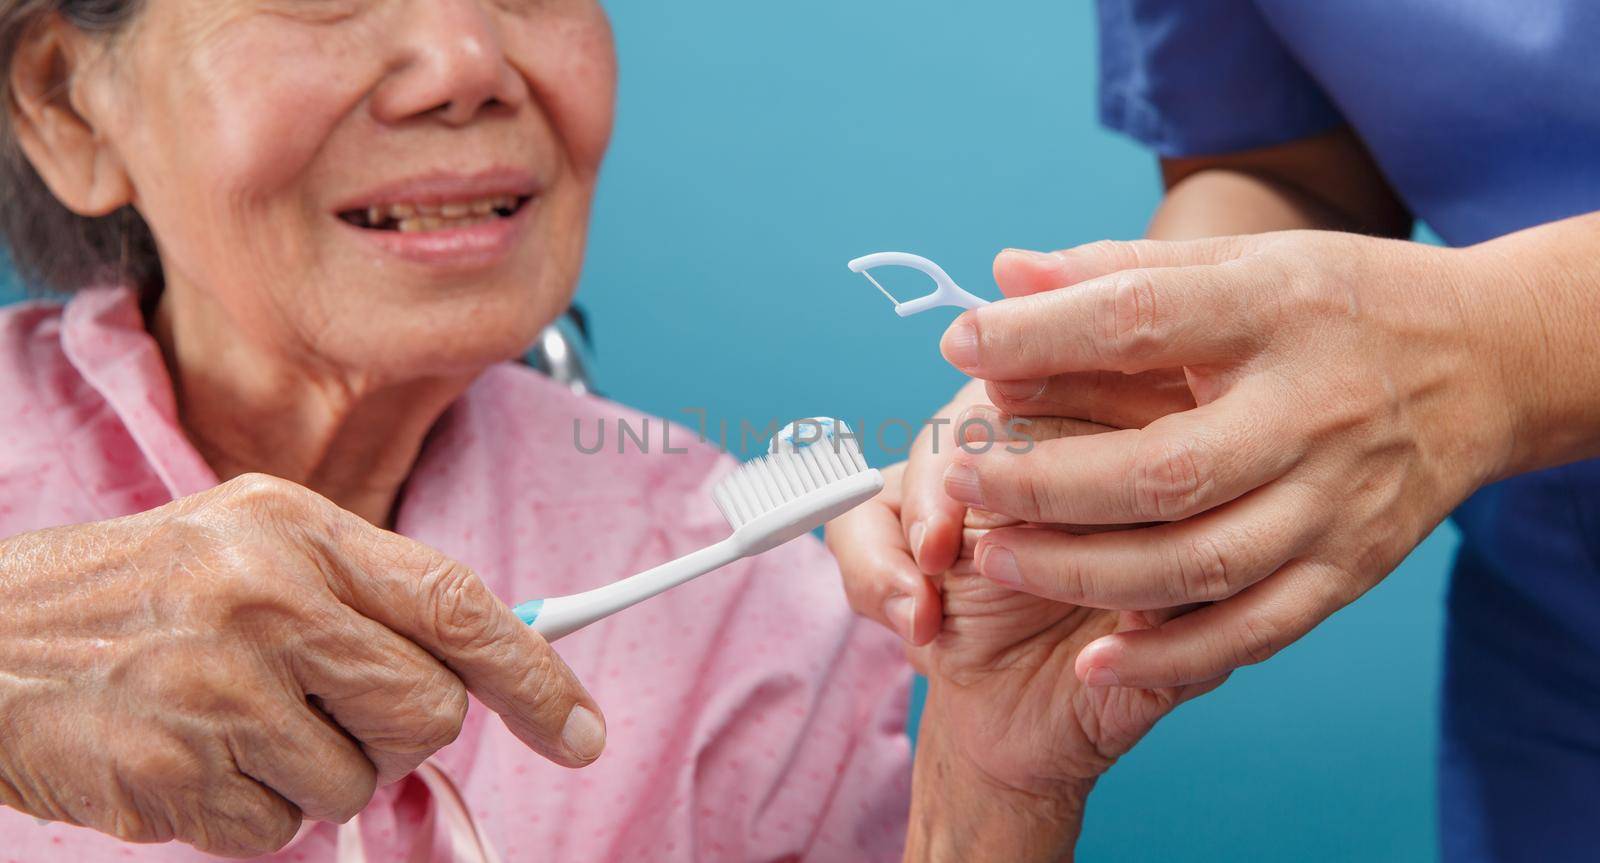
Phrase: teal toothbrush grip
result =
(529, 611)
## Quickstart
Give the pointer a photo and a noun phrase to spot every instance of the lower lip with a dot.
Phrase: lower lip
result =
(468, 248)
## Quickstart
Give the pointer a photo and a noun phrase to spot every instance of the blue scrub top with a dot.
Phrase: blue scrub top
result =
(1485, 118)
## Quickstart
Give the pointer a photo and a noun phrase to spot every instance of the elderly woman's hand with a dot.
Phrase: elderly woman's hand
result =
(1340, 396)
(1012, 741)
(213, 670)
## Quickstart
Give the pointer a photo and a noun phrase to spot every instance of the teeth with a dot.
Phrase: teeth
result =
(433, 223)
(431, 217)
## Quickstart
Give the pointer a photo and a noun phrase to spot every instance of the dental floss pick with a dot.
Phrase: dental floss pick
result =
(946, 292)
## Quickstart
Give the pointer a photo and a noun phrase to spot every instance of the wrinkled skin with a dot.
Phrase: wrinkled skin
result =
(215, 669)
(1000, 663)
(1003, 667)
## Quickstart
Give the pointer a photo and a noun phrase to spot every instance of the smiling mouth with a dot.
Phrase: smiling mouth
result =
(423, 218)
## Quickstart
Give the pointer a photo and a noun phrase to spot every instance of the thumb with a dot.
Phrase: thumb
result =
(445, 609)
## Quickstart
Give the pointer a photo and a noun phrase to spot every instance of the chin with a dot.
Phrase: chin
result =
(447, 335)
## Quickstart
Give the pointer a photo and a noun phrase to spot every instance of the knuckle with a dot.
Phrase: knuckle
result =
(1071, 580)
(860, 587)
(1168, 480)
(1204, 572)
(266, 835)
(548, 691)
(1256, 642)
(266, 493)
(244, 821)
(455, 599)
(1035, 495)
(1129, 319)
(277, 830)
(1030, 496)
(440, 722)
(429, 716)
(138, 811)
(153, 769)
(356, 792)
(133, 826)
(1112, 254)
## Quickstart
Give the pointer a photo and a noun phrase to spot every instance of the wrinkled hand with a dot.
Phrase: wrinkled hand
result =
(1000, 665)
(1001, 678)
(890, 588)
(216, 669)
(1303, 408)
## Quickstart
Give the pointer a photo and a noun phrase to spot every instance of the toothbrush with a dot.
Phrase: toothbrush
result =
(946, 292)
(814, 472)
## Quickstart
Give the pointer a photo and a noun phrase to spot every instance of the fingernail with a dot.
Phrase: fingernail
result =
(901, 612)
(978, 424)
(919, 532)
(1020, 391)
(960, 344)
(584, 734)
(1102, 676)
(1000, 565)
(961, 483)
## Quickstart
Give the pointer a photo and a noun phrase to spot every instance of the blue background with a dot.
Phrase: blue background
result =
(760, 146)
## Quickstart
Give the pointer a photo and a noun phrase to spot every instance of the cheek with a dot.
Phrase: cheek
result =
(239, 119)
(572, 65)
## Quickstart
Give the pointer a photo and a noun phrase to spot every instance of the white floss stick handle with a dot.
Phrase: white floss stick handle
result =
(946, 292)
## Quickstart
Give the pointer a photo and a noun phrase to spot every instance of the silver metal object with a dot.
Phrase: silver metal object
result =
(562, 352)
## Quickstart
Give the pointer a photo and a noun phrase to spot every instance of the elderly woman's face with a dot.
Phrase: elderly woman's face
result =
(398, 187)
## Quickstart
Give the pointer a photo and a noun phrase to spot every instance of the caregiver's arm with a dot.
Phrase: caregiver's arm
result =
(1542, 292)
(216, 669)
(1327, 181)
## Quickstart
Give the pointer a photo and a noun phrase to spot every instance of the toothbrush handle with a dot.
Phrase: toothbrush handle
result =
(564, 615)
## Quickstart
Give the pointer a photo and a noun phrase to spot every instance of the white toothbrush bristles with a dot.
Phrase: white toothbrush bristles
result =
(766, 483)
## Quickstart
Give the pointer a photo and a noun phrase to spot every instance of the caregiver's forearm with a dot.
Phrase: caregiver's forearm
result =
(1326, 182)
(1538, 292)
(959, 814)
(1220, 203)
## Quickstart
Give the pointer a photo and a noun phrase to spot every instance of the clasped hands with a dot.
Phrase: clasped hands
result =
(1231, 440)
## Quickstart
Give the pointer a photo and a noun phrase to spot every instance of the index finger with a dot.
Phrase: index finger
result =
(445, 609)
(1130, 321)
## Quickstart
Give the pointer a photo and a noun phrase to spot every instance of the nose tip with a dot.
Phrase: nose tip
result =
(478, 72)
(455, 68)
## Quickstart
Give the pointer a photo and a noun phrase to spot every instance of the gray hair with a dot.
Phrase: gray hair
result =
(51, 247)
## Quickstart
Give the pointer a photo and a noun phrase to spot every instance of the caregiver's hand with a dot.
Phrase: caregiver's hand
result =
(215, 669)
(1343, 395)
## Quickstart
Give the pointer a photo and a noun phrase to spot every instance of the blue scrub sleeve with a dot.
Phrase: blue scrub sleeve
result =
(1202, 77)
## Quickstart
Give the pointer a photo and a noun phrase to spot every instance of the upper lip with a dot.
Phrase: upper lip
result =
(446, 187)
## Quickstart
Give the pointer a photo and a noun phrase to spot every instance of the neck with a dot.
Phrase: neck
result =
(251, 407)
